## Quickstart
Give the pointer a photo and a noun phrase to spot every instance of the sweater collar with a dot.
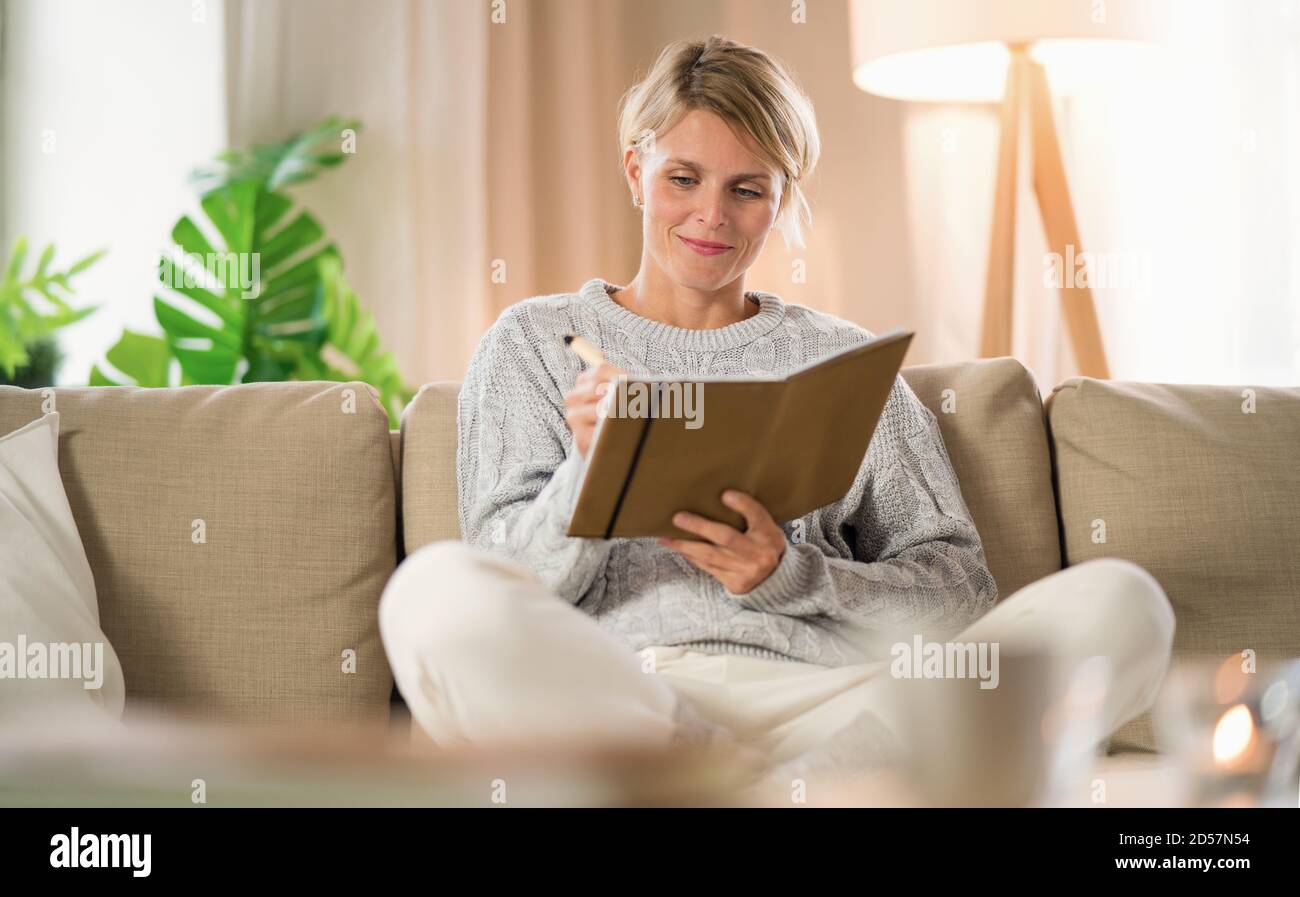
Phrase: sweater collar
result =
(596, 292)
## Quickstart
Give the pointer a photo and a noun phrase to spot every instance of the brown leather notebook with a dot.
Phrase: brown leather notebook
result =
(795, 442)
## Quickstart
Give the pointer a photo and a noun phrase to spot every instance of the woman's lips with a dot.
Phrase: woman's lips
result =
(703, 247)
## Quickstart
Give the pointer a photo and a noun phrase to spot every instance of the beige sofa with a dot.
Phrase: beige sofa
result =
(241, 536)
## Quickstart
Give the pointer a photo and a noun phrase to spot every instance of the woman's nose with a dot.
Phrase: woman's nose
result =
(711, 213)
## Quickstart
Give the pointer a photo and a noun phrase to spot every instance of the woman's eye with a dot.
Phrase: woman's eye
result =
(682, 180)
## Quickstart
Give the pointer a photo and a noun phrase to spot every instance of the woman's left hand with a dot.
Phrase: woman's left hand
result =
(740, 561)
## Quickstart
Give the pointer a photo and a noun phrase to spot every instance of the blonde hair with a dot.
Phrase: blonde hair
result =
(745, 88)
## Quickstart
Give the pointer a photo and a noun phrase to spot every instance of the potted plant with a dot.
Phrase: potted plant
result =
(33, 305)
(253, 290)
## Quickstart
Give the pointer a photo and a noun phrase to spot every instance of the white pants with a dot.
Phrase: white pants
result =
(484, 655)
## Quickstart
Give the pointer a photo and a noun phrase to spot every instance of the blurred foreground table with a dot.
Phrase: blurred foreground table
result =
(167, 762)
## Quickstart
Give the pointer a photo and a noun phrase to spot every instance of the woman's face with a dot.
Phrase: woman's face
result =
(709, 202)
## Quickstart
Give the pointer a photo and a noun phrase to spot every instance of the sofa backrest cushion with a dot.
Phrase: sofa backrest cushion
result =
(991, 416)
(429, 495)
(239, 537)
(1198, 485)
(994, 434)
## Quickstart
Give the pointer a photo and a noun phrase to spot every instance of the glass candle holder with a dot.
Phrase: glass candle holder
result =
(1232, 727)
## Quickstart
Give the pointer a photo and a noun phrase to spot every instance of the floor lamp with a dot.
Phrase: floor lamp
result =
(1027, 95)
(1000, 50)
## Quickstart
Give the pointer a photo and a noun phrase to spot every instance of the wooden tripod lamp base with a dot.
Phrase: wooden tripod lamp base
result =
(1027, 93)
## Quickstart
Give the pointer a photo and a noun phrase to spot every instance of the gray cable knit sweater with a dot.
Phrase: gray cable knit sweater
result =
(897, 555)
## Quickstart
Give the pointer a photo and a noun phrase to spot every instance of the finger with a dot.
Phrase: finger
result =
(588, 387)
(586, 416)
(705, 556)
(717, 533)
(584, 396)
(575, 402)
(605, 371)
(605, 403)
(756, 516)
(590, 376)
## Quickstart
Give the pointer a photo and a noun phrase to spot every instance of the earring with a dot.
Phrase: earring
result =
(636, 202)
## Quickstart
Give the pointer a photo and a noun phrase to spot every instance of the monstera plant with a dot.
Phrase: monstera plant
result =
(254, 290)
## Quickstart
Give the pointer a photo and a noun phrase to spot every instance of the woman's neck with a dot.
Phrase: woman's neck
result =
(662, 300)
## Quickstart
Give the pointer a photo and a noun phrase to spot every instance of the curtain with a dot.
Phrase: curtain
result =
(409, 209)
(1190, 179)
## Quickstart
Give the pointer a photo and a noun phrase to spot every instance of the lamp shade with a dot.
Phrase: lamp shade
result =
(956, 50)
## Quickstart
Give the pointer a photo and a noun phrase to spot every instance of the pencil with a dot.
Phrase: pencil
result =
(585, 349)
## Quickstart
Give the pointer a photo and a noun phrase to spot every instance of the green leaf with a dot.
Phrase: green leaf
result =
(274, 166)
(353, 350)
(44, 325)
(190, 239)
(12, 353)
(16, 257)
(271, 208)
(229, 312)
(99, 378)
(145, 359)
(291, 239)
(86, 262)
(46, 257)
(214, 365)
(179, 325)
(231, 210)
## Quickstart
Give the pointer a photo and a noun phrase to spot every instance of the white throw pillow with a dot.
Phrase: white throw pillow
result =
(54, 657)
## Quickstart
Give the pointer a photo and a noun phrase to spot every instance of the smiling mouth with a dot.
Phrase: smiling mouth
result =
(705, 247)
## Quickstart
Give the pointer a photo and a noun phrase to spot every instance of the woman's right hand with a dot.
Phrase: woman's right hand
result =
(582, 403)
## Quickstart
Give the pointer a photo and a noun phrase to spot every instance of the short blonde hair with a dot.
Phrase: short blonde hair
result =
(745, 88)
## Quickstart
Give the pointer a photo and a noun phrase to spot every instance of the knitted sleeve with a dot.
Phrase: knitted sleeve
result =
(518, 469)
(917, 561)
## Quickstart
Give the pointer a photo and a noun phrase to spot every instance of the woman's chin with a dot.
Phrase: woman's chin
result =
(704, 275)
(702, 284)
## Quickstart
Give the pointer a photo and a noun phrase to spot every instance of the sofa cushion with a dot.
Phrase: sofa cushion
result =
(994, 435)
(991, 416)
(47, 592)
(429, 495)
(239, 538)
(1201, 491)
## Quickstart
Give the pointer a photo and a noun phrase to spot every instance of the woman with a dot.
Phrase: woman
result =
(774, 637)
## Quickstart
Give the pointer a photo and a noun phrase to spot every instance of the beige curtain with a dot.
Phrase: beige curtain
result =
(409, 210)
(1190, 180)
